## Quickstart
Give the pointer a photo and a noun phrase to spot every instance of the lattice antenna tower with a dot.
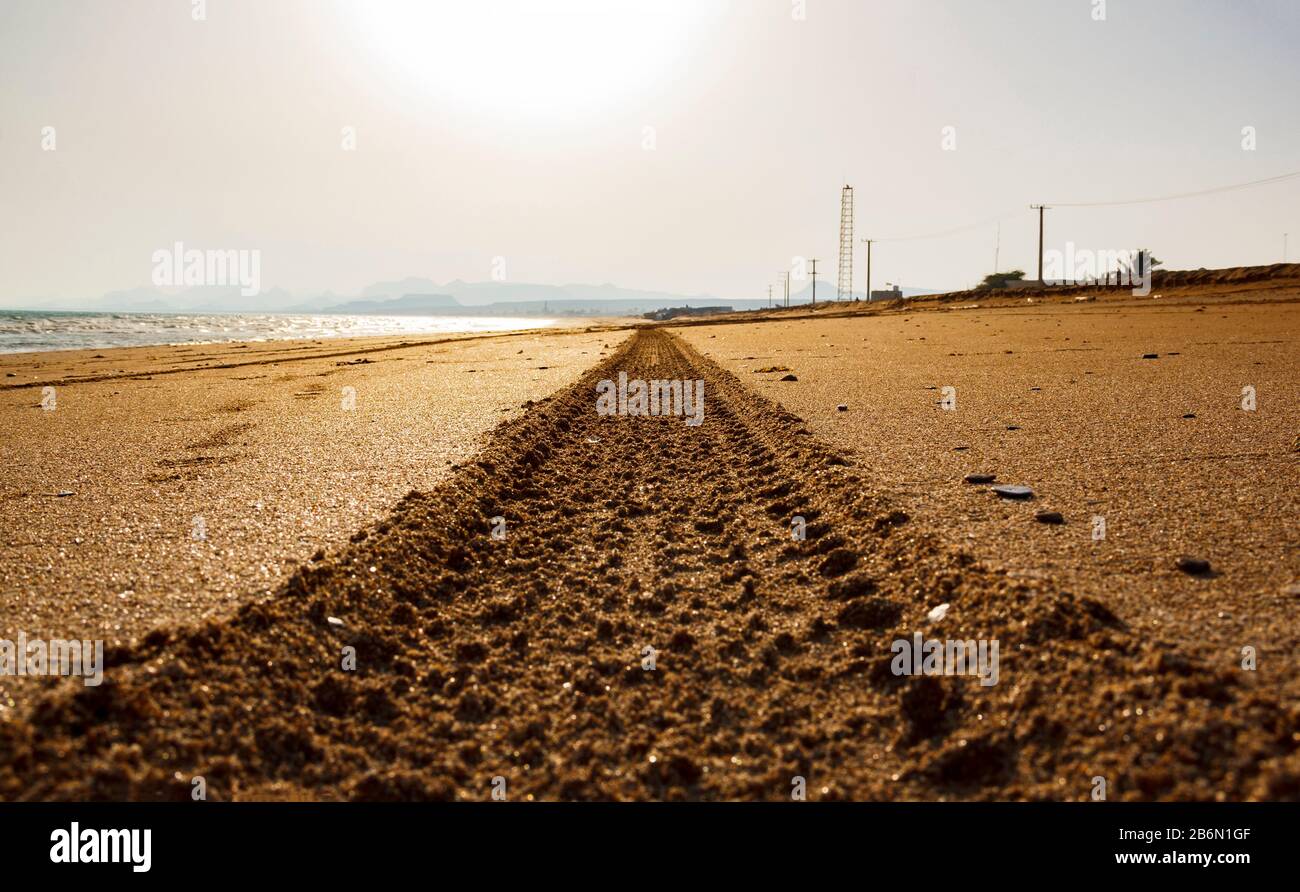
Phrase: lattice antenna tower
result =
(844, 285)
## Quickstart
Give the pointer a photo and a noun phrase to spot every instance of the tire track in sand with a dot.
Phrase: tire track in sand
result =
(523, 658)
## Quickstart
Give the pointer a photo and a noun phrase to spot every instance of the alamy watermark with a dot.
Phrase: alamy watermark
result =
(36, 657)
(946, 657)
(657, 397)
(177, 266)
(90, 846)
(1084, 266)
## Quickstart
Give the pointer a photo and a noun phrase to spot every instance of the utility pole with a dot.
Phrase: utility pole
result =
(813, 261)
(1040, 208)
(868, 270)
(769, 297)
(785, 277)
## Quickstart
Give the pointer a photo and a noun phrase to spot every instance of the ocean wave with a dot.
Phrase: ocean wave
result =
(23, 331)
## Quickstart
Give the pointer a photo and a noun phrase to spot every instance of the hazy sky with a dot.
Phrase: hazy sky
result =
(519, 130)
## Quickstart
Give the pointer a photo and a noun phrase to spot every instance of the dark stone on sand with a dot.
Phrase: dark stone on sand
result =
(1053, 517)
(789, 378)
(1013, 491)
(1150, 355)
(980, 478)
(1193, 566)
(842, 407)
(1190, 415)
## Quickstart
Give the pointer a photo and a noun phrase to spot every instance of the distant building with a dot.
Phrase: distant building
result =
(894, 293)
(673, 312)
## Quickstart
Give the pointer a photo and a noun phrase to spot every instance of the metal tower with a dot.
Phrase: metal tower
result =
(844, 285)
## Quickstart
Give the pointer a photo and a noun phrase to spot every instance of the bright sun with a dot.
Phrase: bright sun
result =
(531, 57)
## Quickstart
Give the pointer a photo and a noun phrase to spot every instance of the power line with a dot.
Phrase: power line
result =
(947, 232)
(1266, 181)
(1094, 204)
(1235, 186)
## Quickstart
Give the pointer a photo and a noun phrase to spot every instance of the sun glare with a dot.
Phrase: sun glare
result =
(521, 58)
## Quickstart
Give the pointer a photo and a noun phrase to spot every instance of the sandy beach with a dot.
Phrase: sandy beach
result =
(429, 426)
(197, 477)
(1057, 395)
(523, 655)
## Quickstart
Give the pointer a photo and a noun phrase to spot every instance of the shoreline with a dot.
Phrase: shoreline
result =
(553, 323)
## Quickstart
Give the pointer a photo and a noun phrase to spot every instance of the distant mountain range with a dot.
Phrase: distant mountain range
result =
(419, 296)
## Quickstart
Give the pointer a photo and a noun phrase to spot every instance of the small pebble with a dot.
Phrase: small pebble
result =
(1193, 565)
(842, 407)
(981, 478)
(937, 613)
(1150, 355)
(789, 378)
(333, 620)
(1011, 491)
(1053, 517)
(1190, 415)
